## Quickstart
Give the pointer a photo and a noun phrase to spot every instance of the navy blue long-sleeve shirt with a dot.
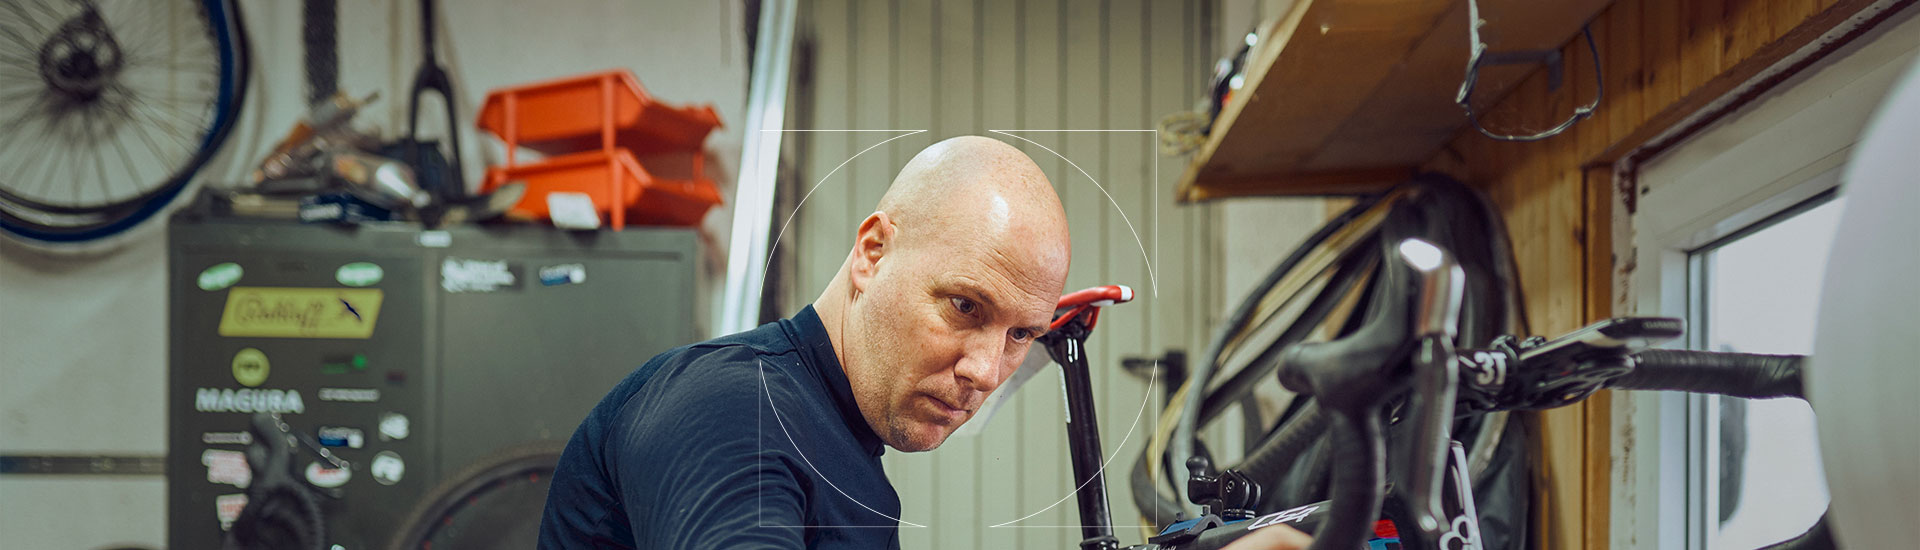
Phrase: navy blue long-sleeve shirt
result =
(747, 441)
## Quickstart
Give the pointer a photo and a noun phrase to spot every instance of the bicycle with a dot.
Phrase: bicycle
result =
(1398, 359)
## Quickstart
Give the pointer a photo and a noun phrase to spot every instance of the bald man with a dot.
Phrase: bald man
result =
(772, 438)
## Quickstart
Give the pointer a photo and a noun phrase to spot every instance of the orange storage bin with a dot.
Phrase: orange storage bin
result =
(622, 190)
(637, 158)
(575, 114)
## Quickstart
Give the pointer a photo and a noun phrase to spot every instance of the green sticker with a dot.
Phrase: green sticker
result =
(220, 276)
(359, 274)
(250, 367)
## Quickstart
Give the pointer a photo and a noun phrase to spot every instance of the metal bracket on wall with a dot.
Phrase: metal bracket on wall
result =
(114, 465)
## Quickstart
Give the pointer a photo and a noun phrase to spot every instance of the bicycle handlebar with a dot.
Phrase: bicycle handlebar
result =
(1404, 349)
(1748, 375)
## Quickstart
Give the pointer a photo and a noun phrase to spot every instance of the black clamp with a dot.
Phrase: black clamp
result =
(1230, 494)
(1557, 379)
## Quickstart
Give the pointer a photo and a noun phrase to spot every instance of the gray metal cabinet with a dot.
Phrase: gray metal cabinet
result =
(479, 337)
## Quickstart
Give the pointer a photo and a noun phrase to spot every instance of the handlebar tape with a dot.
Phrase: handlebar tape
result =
(1748, 375)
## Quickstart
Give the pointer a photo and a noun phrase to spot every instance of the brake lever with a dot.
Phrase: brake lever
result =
(1436, 379)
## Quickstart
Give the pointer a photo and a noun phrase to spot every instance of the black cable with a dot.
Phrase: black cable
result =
(1477, 56)
(1276, 455)
(1181, 446)
(1350, 269)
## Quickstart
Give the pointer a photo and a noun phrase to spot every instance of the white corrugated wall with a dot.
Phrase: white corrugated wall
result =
(969, 66)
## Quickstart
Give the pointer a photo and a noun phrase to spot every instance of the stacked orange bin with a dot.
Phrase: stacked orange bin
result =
(640, 160)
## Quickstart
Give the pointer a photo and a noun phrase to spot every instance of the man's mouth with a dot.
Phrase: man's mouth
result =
(949, 412)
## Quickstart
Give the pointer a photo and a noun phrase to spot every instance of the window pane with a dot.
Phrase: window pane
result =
(1762, 297)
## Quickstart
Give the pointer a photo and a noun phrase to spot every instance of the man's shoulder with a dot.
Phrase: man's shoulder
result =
(747, 346)
(729, 369)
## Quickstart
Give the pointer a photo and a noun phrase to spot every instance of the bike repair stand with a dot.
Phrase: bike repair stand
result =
(1224, 497)
(1067, 346)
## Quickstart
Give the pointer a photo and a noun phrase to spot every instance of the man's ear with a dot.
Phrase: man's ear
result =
(870, 243)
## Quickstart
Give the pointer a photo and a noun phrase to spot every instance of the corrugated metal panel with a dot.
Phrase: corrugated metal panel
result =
(970, 66)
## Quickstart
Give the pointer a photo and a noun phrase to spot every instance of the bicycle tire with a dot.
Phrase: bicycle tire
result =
(1226, 339)
(435, 511)
(1446, 212)
(37, 222)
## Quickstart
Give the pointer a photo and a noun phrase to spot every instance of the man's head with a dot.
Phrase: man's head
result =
(948, 283)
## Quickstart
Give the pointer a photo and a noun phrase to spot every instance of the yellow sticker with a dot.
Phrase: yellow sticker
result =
(250, 367)
(281, 312)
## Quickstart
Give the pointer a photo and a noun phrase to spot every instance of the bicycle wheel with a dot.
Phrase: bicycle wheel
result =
(494, 503)
(1314, 294)
(111, 107)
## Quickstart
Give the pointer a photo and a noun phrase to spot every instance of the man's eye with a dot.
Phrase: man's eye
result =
(1024, 335)
(964, 306)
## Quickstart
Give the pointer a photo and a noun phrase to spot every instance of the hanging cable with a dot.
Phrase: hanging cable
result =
(1477, 55)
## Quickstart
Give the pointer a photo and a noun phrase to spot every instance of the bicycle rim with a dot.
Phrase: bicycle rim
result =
(110, 127)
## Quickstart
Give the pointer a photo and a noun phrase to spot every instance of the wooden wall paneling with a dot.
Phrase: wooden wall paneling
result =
(1759, 20)
(1621, 56)
(1660, 56)
(1046, 476)
(822, 224)
(951, 103)
(1703, 43)
(1557, 194)
(1747, 25)
(1001, 446)
(1597, 280)
(1128, 162)
(1738, 71)
(1784, 14)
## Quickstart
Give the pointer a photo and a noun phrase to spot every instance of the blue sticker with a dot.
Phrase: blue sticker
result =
(563, 274)
(339, 436)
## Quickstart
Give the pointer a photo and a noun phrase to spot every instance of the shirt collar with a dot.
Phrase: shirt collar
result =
(810, 337)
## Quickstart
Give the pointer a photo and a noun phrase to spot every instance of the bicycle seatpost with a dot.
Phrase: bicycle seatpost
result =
(1066, 338)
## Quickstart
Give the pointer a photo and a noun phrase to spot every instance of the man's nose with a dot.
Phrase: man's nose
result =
(979, 367)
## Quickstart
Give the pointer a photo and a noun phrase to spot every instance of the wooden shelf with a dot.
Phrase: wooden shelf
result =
(1348, 96)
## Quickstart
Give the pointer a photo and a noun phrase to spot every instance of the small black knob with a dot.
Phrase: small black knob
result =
(1199, 466)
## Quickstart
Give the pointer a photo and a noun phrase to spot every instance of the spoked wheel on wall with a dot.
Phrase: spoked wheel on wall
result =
(109, 109)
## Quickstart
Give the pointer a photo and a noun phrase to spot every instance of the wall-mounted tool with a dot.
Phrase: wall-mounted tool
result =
(433, 77)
